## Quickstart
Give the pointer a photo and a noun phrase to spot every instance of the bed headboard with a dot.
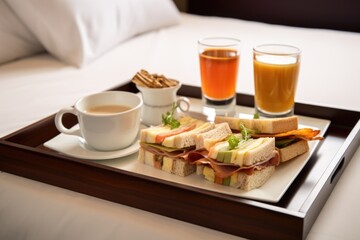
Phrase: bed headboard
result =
(330, 14)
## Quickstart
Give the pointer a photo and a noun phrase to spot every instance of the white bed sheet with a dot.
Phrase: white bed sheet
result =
(35, 87)
(40, 85)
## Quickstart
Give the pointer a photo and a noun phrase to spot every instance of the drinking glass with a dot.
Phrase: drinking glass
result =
(276, 71)
(219, 64)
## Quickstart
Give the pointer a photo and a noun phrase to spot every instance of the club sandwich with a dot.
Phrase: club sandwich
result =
(290, 141)
(167, 148)
(238, 161)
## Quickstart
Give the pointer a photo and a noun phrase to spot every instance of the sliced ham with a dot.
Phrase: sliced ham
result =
(176, 153)
(224, 170)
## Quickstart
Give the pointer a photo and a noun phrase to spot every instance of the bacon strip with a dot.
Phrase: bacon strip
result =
(307, 134)
(224, 170)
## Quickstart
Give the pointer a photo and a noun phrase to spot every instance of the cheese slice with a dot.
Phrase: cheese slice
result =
(248, 145)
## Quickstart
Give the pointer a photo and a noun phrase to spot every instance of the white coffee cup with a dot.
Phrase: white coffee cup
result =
(158, 101)
(109, 130)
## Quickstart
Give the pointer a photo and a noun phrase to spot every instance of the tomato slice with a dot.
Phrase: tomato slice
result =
(219, 180)
(161, 137)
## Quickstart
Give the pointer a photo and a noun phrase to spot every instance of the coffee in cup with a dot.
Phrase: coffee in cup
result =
(107, 120)
(107, 109)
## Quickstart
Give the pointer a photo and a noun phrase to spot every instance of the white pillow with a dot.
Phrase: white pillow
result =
(78, 31)
(16, 41)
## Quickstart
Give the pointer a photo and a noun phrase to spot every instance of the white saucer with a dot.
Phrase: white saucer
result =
(76, 147)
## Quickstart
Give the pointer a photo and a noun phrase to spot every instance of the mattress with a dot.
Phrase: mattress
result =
(38, 86)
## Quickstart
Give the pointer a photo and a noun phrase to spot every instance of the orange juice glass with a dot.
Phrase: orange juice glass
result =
(276, 71)
(219, 63)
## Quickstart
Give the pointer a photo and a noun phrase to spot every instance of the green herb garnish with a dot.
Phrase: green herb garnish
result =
(246, 132)
(256, 116)
(233, 141)
(168, 118)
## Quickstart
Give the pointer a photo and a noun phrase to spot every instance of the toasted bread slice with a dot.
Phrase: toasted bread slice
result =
(187, 139)
(261, 150)
(247, 152)
(256, 180)
(207, 139)
(266, 125)
(293, 150)
(150, 135)
(239, 180)
(174, 166)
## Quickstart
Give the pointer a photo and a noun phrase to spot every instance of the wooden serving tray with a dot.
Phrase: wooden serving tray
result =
(22, 153)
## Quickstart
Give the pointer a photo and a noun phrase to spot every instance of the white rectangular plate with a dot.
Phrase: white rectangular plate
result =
(271, 191)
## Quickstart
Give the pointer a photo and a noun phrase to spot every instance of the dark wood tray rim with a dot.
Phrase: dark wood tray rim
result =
(22, 153)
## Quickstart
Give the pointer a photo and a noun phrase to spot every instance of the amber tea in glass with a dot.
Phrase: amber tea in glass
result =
(219, 66)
